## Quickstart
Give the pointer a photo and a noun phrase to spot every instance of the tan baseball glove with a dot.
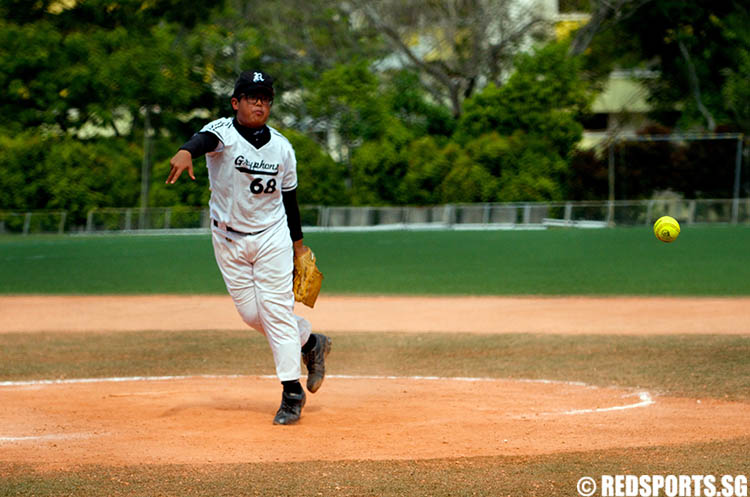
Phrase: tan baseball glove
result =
(307, 279)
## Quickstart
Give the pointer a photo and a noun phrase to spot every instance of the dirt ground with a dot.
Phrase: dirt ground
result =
(198, 420)
(567, 315)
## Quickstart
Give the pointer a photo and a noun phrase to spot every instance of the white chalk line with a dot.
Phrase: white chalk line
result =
(50, 437)
(68, 381)
(645, 397)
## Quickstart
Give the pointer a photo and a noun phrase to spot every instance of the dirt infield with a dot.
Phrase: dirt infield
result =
(566, 315)
(200, 420)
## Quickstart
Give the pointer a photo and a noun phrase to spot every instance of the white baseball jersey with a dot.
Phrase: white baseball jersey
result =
(246, 183)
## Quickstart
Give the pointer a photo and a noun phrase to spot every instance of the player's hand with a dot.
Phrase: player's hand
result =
(300, 249)
(181, 161)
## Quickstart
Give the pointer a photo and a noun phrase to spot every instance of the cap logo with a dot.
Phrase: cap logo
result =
(257, 77)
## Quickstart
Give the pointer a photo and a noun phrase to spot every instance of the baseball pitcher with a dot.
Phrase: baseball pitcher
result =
(257, 232)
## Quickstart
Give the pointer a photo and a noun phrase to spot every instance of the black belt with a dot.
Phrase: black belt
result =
(232, 230)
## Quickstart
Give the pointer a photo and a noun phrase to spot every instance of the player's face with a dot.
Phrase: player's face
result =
(253, 110)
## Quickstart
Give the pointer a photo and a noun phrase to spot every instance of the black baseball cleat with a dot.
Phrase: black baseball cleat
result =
(315, 360)
(291, 408)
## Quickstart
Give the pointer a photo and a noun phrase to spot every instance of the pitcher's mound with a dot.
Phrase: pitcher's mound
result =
(200, 420)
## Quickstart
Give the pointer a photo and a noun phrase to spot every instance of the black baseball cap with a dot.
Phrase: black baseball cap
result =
(251, 82)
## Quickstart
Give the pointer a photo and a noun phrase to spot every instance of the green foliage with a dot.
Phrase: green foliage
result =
(518, 138)
(467, 181)
(185, 191)
(736, 90)
(407, 101)
(511, 143)
(22, 157)
(698, 49)
(377, 169)
(301, 39)
(107, 180)
(91, 68)
(544, 97)
(535, 175)
(426, 167)
(346, 97)
(25, 52)
(85, 64)
(85, 68)
(66, 173)
(322, 181)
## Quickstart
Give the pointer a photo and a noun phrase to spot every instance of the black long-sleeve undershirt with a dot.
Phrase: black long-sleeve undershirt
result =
(293, 219)
(201, 143)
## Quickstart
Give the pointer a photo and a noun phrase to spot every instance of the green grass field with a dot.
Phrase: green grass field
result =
(704, 261)
(710, 260)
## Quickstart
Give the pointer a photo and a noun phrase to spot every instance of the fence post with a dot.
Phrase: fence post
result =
(448, 215)
(691, 212)
(26, 223)
(611, 181)
(325, 216)
(737, 171)
(61, 227)
(205, 218)
(90, 220)
(610, 213)
(167, 218)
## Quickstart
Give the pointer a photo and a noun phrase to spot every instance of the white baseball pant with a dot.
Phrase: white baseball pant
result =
(257, 271)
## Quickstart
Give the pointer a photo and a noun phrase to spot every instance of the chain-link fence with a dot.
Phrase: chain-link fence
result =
(522, 215)
(33, 222)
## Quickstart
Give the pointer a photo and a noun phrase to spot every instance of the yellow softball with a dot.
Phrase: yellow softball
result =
(666, 229)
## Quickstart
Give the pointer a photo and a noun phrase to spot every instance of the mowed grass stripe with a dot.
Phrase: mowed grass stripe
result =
(693, 366)
(705, 260)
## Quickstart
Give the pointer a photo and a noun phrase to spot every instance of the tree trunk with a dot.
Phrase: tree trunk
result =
(695, 87)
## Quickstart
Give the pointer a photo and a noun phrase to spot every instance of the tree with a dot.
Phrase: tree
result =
(525, 131)
(457, 46)
(92, 63)
(379, 166)
(322, 180)
(426, 167)
(346, 98)
(91, 68)
(544, 97)
(47, 173)
(468, 182)
(697, 49)
(736, 90)
(605, 14)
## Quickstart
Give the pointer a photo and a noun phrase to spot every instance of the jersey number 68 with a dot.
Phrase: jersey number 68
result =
(256, 186)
